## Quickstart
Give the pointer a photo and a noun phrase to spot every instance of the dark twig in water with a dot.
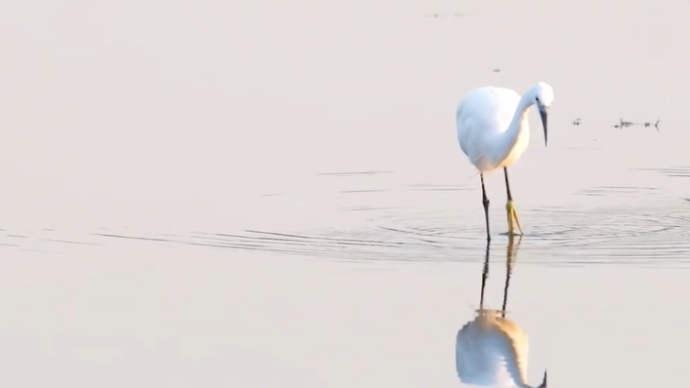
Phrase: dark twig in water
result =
(438, 15)
(625, 124)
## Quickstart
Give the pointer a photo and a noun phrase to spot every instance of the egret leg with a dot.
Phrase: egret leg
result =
(510, 208)
(511, 253)
(485, 202)
(485, 274)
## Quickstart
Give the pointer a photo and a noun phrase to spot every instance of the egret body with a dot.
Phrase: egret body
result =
(493, 131)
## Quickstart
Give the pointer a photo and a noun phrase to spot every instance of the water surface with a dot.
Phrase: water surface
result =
(270, 194)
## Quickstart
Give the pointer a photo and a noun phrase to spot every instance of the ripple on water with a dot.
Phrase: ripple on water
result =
(653, 236)
(673, 172)
(627, 191)
(420, 223)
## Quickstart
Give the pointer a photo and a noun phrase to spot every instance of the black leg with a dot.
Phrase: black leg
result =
(511, 254)
(509, 272)
(510, 196)
(485, 202)
(513, 219)
(485, 274)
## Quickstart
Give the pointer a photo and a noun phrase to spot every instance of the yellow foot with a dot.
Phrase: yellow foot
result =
(512, 218)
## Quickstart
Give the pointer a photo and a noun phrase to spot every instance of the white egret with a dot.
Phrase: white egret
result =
(493, 131)
(492, 350)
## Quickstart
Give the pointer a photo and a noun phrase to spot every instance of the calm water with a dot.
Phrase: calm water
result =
(270, 193)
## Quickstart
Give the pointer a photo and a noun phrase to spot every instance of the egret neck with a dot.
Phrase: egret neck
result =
(516, 137)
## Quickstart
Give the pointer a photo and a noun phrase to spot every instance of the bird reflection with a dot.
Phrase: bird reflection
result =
(492, 350)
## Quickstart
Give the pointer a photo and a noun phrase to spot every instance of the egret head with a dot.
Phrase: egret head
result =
(543, 97)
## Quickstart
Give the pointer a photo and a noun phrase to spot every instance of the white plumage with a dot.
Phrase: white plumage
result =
(492, 350)
(493, 131)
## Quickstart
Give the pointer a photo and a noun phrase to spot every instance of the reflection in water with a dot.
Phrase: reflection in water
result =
(492, 350)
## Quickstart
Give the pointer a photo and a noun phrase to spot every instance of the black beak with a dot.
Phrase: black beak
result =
(543, 383)
(542, 113)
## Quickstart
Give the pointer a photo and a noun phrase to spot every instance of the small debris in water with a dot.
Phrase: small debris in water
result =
(625, 124)
(438, 15)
